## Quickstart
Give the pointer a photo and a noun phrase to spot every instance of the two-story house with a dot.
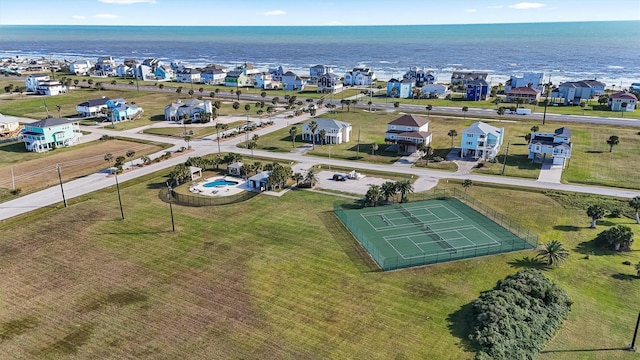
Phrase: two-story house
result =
(526, 95)
(119, 110)
(359, 76)
(419, 76)
(194, 108)
(481, 141)
(105, 66)
(80, 67)
(406, 132)
(329, 83)
(574, 92)
(51, 133)
(318, 70)
(92, 107)
(534, 80)
(241, 76)
(623, 101)
(188, 75)
(556, 144)
(400, 88)
(32, 81)
(477, 90)
(213, 76)
(335, 132)
(463, 77)
(291, 81)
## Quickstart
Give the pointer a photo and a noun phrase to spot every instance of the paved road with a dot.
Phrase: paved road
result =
(425, 178)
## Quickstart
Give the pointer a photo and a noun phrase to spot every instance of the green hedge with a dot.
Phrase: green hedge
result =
(518, 317)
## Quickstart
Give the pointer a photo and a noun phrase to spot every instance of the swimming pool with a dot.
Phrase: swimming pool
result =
(220, 183)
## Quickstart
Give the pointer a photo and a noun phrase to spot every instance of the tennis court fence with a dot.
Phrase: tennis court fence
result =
(196, 201)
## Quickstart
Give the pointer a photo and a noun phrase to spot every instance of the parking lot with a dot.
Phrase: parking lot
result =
(350, 185)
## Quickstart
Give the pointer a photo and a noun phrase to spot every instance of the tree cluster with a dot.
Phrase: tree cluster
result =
(618, 238)
(517, 317)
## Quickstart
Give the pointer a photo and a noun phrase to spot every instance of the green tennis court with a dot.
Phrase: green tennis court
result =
(428, 232)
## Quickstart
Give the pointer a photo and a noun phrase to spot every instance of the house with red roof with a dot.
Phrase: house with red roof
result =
(406, 132)
(527, 94)
(623, 101)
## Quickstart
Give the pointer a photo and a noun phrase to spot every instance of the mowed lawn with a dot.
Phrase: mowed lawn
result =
(274, 277)
(36, 171)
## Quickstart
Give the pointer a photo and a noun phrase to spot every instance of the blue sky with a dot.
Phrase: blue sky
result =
(309, 12)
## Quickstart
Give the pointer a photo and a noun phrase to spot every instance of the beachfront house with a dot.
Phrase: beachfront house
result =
(315, 72)
(359, 76)
(105, 66)
(481, 141)
(80, 67)
(194, 109)
(9, 126)
(188, 75)
(623, 101)
(574, 92)
(49, 134)
(524, 95)
(556, 145)
(336, 132)
(533, 80)
(92, 107)
(406, 132)
(213, 76)
(430, 91)
(124, 71)
(419, 76)
(265, 81)
(477, 90)
(277, 73)
(329, 83)
(242, 75)
(43, 85)
(463, 77)
(400, 88)
(291, 81)
(119, 110)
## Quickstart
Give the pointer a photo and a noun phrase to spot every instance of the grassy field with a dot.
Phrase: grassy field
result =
(80, 283)
(198, 131)
(36, 171)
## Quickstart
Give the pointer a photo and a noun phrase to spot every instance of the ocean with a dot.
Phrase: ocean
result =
(607, 51)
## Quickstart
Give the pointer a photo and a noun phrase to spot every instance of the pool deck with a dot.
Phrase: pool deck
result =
(197, 187)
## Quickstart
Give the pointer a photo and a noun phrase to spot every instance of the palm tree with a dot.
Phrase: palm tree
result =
(297, 177)
(108, 157)
(275, 100)
(321, 135)
(252, 145)
(535, 128)
(293, 132)
(130, 154)
(404, 187)
(635, 204)
(595, 212)
(464, 111)
(428, 153)
(619, 237)
(238, 93)
(313, 126)
(501, 111)
(219, 127)
(373, 195)
(429, 108)
(452, 133)
(389, 190)
(374, 148)
(236, 105)
(311, 178)
(553, 252)
(613, 140)
(466, 184)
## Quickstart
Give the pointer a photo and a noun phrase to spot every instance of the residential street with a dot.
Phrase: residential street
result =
(425, 178)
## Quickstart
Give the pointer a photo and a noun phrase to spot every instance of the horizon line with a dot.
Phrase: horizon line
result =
(331, 25)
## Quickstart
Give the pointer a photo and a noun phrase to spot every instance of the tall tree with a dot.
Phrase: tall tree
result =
(635, 204)
(404, 187)
(464, 111)
(595, 212)
(321, 136)
(130, 154)
(613, 140)
(293, 132)
(389, 190)
(238, 93)
(297, 177)
(452, 133)
(429, 108)
(313, 126)
(553, 252)
(466, 184)
(373, 195)
(219, 127)
(311, 178)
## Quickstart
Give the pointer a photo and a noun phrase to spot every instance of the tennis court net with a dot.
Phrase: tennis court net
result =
(428, 230)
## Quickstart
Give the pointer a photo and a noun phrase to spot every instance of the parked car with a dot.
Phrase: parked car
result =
(339, 177)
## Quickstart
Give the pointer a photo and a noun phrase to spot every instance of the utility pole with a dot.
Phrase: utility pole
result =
(358, 146)
(371, 93)
(504, 163)
(173, 225)
(119, 198)
(546, 101)
(64, 200)
(635, 335)
(13, 180)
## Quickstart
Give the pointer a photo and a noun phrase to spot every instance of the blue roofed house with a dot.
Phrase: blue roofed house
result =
(574, 92)
(481, 141)
(51, 133)
(556, 144)
(291, 81)
(194, 108)
(406, 132)
(336, 132)
(400, 88)
(534, 80)
(419, 76)
(119, 110)
(477, 90)
(92, 107)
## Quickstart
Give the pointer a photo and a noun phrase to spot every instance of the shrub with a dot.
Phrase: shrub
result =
(479, 165)
(16, 191)
(437, 159)
(627, 262)
(517, 317)
(106, 137)
(616, 213)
